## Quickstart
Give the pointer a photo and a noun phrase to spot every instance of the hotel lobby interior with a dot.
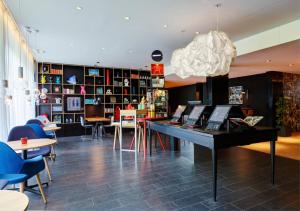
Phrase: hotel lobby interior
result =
(150, 105)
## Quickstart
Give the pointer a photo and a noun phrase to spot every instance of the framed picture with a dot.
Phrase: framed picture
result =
(93, 72)
(236, 95)
(73, 103)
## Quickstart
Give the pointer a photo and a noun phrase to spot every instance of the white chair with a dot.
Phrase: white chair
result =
(130, 122)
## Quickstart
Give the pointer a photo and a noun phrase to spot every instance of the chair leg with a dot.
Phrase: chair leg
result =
(115, 137)
(22, 187)
(139, 138)
(119, 135)
(47, 168)
(38, 179)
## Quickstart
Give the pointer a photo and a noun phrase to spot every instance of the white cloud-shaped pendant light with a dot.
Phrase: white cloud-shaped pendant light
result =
(207, 55)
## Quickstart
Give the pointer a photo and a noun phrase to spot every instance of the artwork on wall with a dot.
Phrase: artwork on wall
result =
(73, 103)
(236, 95)
(93, 72)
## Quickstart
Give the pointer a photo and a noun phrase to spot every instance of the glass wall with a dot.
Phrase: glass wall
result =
(16, 99)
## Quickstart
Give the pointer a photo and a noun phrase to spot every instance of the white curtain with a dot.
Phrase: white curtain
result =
(14, 52)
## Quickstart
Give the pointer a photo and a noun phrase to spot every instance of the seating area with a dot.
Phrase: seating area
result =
(149, 105)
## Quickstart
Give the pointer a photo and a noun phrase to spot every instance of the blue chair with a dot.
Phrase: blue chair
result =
(35, 121)
(32, 131)
(3, 183)
(16, 170)
(38, 122)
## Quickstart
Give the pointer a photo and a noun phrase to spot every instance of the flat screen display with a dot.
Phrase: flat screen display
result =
(196, 112)
(219, 114)
(180, 109)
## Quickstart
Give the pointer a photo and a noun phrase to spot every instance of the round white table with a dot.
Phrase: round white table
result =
(13, 200)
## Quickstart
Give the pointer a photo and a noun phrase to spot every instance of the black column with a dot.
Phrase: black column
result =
(215, 90)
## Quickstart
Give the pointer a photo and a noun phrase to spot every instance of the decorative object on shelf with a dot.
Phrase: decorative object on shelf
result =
(43, 79)
(207, 55)
(158, 82)
(134, 75)
(142, 104)
(125, 91)
(68, 91)
(58, 100)
(126, 82)
(56, 88)
(113, 99)
(107, 77)
(93, 72)
(82, 90)
(116, 83)
(45, 68)
(108, 110)
(133, 90)
(89, 101)
(57, 119)
(117, 114)
(43, 94)
(108, 92)
(56, 71)
(57, 108)
(99, 90)
(73, 103)
(142, 83)
(130, 107)
(126, 100)
(72, 80)
(45, 100)
(57, 79)
(50, 79)
(97, 101)
(134, 101)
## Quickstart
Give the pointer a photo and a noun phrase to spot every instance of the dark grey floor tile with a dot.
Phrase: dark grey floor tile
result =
(89, 175)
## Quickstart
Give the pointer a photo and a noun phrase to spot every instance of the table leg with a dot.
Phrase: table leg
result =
(24, 155)
(145, 138)
(150, 140)
(214, 153)
(272, 152)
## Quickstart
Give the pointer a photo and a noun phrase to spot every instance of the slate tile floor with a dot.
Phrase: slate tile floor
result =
(89, 175)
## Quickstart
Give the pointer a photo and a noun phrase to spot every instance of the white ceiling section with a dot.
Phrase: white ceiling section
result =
(76, 36)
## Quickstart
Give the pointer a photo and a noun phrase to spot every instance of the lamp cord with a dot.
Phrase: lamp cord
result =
(218, 15)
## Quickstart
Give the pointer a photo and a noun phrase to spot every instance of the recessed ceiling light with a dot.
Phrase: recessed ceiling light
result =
(127, 18)
(79, 8)
(268, 60)
(102, 49)
(291, 65)
(98, 62)
(130, 51)
(165, 26)
(197, 32)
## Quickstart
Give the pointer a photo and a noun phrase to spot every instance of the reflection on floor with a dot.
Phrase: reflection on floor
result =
(288, 147)
(90, 175)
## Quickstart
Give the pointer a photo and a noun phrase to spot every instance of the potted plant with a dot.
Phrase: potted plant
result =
(284, 130)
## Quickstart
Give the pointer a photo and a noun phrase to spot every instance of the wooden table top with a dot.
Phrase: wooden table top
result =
(31, 144)
(13, 200)
(97, 119)
(51, 128)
